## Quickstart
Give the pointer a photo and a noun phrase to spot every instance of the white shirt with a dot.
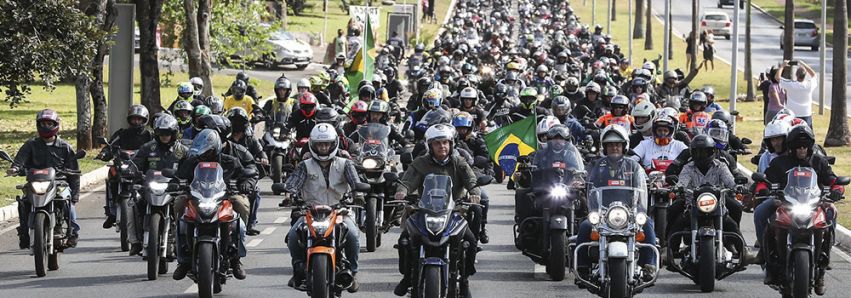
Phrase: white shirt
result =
(648, 150)
(799, 95)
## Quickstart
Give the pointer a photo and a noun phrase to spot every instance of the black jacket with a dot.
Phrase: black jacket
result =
(131, 139)
(776, 172)
(155, 156)
(302, 124)
(36, 154)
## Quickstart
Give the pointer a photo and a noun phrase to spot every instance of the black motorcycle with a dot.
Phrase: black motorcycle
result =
(122, 199)
(375, 167)
(159, 223)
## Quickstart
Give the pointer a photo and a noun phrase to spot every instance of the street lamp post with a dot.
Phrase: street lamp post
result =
(593, 12)
(609, 18)
(734, 70)
(667, 36)
(629, 30)
(822, 54)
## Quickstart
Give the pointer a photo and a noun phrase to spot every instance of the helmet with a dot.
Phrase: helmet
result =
(199, 111)
(307, 104)
(622, 102)
(238, 88)
(593, 87)
(561, 103)
(358, 112)
(544, 126)
(644, 109)
(572, 84)
(469, 92)
(217, 106)
(800, 136)
(697, 101)
(500, 91)
(462, 83)
(218, 123)
(166, 125)
(380, 106)
(366, 93)
(557, 138)
(719, 132)
(419, 48)
(614, 133)
(703, 149)
(462, 120)
(709, 91)
(206, 146)
(182, 105)
(641, 73)
(197, 85)
(610, 91)
(137, 111)
(785, 113)
(185, 90)
(723, 116)
(439, 132)
(513, 66)
(529, 97)
(303, 83)
(242, 76)
(423, 83)
(47, 130)
(649, 66)
(660, 122)
(639, 82)
(542, 68)
(670, 75)
(282, 87)
(238, 118)
(327, 115)
(775, 128)
(432, 98)
(670, 113)
(468, 68)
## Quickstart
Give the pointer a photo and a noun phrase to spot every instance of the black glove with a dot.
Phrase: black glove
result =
(836, 195)
(246, 187)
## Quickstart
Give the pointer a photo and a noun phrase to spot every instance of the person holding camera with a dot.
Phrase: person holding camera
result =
(799, 92)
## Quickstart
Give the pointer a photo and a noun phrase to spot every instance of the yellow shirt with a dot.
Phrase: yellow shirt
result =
(246, 103)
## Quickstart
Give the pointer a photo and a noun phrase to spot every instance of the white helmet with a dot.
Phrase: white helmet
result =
(649, 66)
(468, 92)
(776, 128)
(670, 112)
(440, 132)
(323, 133)
(544, 126)
(197, 84)
(644, 109)
(614, 133)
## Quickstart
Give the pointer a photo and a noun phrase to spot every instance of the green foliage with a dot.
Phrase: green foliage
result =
(43, 40)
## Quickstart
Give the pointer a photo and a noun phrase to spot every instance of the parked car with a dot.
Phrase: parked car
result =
(806, 34)
(721, 3)
(718, 23)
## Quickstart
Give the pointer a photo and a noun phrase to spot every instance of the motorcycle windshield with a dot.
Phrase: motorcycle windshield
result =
(547, 177)
(437, 194)
(208, 181)
(568, 159)
(373, 138)
(602, 197)
(802, 186)
(434, 117)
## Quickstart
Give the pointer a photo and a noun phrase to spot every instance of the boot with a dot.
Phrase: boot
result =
(297, 281)
(251, 231)
(110, 219)
(465, 288)
(72, 240)
(647, 272)
(483, 236)
(181, 270)
(23, 238)
(355, 286)
(402, 288)
(135, 249)
(819, 285)
(236, 267)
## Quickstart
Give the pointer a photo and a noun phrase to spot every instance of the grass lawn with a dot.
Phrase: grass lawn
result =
(750, 123)
(804, 9)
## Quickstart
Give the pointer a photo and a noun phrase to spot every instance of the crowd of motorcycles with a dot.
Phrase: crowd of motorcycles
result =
(497, 55)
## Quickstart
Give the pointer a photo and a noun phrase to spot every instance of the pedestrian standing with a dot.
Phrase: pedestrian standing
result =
(799, 92)
(340, 44)
(774, 97)
(708, 41)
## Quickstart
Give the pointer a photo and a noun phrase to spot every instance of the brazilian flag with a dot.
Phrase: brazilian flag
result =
(363, 65)
(508, 143)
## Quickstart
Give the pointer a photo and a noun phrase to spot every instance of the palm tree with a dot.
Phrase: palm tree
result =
(837, 132)
(789, 30)
(638, 29)
(648, 42)
(694, 12)
(748, 58)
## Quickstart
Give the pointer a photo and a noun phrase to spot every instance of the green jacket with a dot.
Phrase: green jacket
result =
(463, 177)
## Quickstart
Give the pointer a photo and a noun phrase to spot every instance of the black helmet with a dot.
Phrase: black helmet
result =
(702, 150)
(241, 76)
(238, 88)
(238, 118)
(206, 146)
(166, 124)
(137, 111)
(800, 136)
(327, 115)
(468, 68)
(423, 84)
(500, 90)
(366, 91)
(218, 123)
(723, 116)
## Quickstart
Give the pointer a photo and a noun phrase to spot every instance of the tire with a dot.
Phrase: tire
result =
(431, 282)
(125, 213)
(801, 275)
(719, 5)
(660, 220)
(556, 264)
(370, 224)
(815, 48)
(277, 172)
(40, 240)
(706, 263)
(205, 270)
(618, 279)
(154, 245)
(319, 287)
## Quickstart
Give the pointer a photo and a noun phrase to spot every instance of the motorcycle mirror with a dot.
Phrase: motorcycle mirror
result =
(102, 141)
(289, 168)
(391, 177)
(746, 141)
(5, 156)
(406, 158)
(831, 160)
(168, 173)
(842, 180)
(279, 187)
(671, 180)
(80, 154)
(362, 187)
(759, 177)
(483, 180)
(741, 180)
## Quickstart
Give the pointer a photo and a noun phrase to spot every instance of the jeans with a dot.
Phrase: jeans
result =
(298, 251)
(646, 255)
(255, 205)
(761, 214)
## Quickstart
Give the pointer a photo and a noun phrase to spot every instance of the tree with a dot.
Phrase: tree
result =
(148, 14)
(789, 30)
(837, 132)
(614, 10)
(89, 86)
(637, 28)
(648, 40)
(694, 37)
(197, 41)
(751, 93)
(43, 40)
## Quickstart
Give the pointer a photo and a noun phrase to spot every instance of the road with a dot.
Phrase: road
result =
(765, 47)
(97, 268)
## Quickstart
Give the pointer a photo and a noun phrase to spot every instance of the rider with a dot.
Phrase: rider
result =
(696, 104)
(197, 113)
(618, 115)
(379, 112)
(279, 108)
(238, 99)
(615, 166)
(663, 146)
(216, 105)
(131, 138)
(528, 106)
(197, 88)
(47, 151)
(183, 112)
(643, 115)
(774, 137)
(591, 101)
(357, 117)
(185, 93)
(469, 140)
(249, 89)
(469, 103)
(561, 109)
(303, 120)
(443, 160)
(711, 105)
(242, 135)
(340, 178)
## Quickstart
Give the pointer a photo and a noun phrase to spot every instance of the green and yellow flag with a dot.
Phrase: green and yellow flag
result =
(508, 143)
(363, 65)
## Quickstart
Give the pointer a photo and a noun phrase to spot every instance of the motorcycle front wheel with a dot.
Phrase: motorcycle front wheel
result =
(370, 224)
(205, 270)
(706, 255)
(431, 282)
(124, 213)
(40, 241)
(320, 286)
(153, 253)
(556, 264)
(801, 274)
(618, 287)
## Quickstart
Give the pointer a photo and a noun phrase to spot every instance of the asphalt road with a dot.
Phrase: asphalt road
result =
(765, 47)
(97, 268)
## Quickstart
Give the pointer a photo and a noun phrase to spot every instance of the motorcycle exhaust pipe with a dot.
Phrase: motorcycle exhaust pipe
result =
(344, 278)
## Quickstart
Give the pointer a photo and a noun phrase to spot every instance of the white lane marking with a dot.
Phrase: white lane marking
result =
(540, 272)
(254, 242)
(192, 289)
(83, 196)
(268, 231)
(281, 220)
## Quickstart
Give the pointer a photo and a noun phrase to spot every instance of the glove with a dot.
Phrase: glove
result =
(761, 189)
(246, 187)
(399, 196)
(475, 199)
(836, 194)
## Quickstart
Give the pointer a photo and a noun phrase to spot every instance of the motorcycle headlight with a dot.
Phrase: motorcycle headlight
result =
(641, 218)
(435, 224)
(800, 210)
(594, 218)
(321, 226)
(370, 164)
(125, 166)
(558, 192)
(617, 217)
(157, 187)
(707, 202)
(207, 207)
(40, 187)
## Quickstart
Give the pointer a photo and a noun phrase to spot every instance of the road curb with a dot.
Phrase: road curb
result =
(843, 235)
(766, 13)
(87, 180)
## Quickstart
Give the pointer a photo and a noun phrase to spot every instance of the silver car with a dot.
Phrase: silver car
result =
(287, 50)
(806, 34)
(718, 23)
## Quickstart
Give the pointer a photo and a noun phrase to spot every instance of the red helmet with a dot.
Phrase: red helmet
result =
(47, 115)
(358, 112)
(307, 104)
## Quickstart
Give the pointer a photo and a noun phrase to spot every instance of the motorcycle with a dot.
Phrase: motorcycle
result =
(798, 261)
(708, 257)
(543, 236)
(277, 145)
(375, 166)
(49, 197)
(158, 238)
(122, 168)
(616, 213)
(660, 195)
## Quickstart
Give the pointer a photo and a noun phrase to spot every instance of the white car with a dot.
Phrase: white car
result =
(718, 23)
(287, 50)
